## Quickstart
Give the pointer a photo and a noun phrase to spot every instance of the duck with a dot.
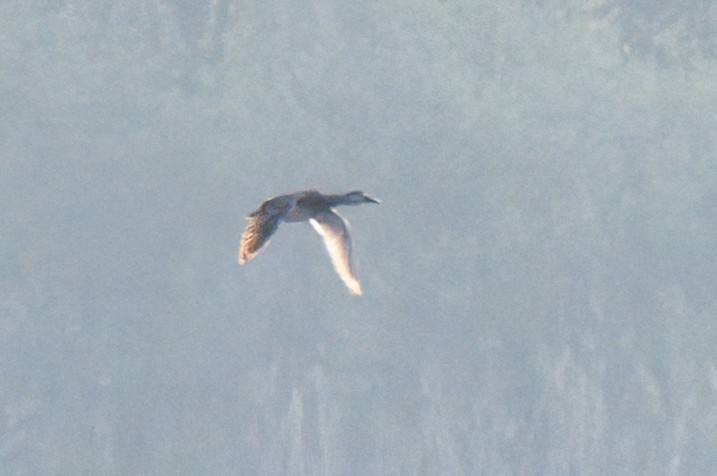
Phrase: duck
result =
(319, 209)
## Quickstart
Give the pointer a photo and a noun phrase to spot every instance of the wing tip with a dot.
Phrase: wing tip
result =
(244, 256)
(354, 287)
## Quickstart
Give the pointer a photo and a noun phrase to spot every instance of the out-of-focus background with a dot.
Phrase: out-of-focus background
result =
(539, 282)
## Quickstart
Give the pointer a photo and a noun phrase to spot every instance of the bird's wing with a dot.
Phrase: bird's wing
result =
(257, 233)
(334, 229)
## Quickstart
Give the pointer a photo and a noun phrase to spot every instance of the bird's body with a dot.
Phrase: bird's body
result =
(318, 209)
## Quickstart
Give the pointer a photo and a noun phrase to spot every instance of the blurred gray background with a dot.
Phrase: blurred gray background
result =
(539, 282)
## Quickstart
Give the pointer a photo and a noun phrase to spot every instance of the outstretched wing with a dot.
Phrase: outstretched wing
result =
(256, 234)
(334, 230)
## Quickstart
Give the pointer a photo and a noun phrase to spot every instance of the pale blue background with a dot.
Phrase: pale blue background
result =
(540, 293)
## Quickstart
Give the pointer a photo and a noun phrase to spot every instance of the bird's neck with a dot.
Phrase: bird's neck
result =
(339, 199)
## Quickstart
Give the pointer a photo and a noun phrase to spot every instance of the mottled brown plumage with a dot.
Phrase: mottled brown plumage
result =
(256, 235)
(317, 208)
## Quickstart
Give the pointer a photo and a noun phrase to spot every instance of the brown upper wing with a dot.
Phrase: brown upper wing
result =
(256, 234)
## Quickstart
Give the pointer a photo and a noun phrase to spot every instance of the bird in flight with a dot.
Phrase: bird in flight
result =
(318, 209)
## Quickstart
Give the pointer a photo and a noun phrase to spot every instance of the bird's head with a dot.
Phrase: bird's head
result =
(359, 197)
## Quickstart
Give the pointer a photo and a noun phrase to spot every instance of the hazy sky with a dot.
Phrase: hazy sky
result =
(539, 293)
